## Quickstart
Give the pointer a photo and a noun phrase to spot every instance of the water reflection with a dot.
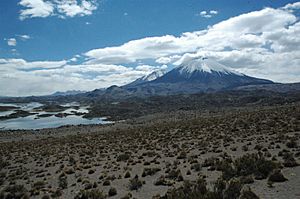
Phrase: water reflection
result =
(43, 119)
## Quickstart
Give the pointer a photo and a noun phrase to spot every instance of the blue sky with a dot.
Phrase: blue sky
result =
(38, 36)
(113, 23)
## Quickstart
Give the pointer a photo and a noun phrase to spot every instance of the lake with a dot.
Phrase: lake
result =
(43, 119)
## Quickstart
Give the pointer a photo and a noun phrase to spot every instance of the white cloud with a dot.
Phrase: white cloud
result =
(149, 68)
(150, 47)
(74, 59)
(60, 8)
(24, 65)
(36, 8)
(244, 31)
(292, 6)
(19, 77)
(208, 14)
(213, 12)
(163, 60)
(72, 8)
(167, 60)
(24, 37)
(11, 42)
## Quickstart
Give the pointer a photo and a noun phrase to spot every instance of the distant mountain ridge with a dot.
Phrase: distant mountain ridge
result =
(194, 75)
(71, 92)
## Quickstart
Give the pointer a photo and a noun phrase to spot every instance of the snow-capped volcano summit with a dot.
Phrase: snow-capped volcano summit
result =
(193, 75)
(205, 74)
(203, 64)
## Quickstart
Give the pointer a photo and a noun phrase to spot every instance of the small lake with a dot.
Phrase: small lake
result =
(38, 121)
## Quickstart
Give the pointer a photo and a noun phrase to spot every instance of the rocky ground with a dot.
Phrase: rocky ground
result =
(237, 153)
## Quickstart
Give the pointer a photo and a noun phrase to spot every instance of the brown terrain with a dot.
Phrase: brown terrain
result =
(238, 153)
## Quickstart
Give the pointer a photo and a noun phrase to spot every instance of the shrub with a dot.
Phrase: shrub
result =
(123, 157)
(182, 155)
(150, 171)
(106, 183)
(46, 197)
(112, 192)
(175, 175)
(39, 184)
(90, 194)
(289, 160)
(56, 194)
(15, 192)
(127, 174)
(247, 179)
(3, 163)
(248, 194)
(135, 183)
(277, 176)
(69, 171)
(233, 190)
(189, 190)
(161, 181)
(196, 167)
(291, 144)
(62, 181)
(253, 164)
(91, 171)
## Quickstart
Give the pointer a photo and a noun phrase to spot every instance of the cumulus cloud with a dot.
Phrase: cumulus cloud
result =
(292, 6)
(60, 8)
(72, 8)
(19, 77)
(11, 42)
(244, 42)
(36, 8)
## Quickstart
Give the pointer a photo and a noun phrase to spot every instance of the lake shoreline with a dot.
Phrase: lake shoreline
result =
(35, 115)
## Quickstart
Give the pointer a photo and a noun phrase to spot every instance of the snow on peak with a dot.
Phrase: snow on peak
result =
(204, 64)
(154, 75)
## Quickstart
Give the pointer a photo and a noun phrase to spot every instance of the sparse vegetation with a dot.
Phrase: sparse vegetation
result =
(181, 154)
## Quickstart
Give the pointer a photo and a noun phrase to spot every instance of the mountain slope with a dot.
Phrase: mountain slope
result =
(209, 74)
(150, 77)
(193, 76)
